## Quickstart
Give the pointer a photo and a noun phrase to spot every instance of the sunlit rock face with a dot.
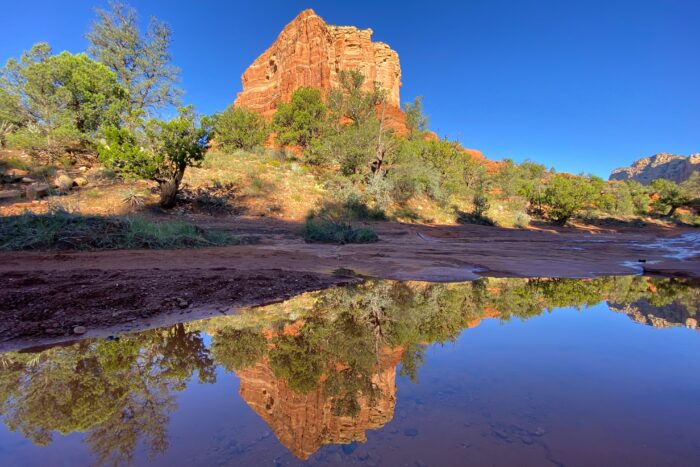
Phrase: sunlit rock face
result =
(303, 422)
(669, 166)
(309, 52)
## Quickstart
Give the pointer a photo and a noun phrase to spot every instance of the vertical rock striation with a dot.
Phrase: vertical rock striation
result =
(303, 422)
(309, 52)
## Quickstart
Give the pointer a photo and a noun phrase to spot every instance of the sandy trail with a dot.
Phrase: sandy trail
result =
(43, 296)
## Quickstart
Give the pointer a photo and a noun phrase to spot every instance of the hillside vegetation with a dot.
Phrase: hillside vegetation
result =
(81, 134)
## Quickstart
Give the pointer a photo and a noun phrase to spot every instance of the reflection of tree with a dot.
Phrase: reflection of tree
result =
(119, 392)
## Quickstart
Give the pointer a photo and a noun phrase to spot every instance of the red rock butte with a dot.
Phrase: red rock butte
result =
(310, 52)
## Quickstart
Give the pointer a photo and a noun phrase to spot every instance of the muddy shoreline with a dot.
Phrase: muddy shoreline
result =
(44, 296)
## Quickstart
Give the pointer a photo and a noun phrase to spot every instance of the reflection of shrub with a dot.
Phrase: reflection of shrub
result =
(236, 349)
(298, 361)
(324, 230)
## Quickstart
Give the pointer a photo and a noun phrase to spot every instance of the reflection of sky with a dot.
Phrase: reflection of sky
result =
(565, 386)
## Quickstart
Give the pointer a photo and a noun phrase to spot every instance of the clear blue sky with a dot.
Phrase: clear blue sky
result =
(578, 85)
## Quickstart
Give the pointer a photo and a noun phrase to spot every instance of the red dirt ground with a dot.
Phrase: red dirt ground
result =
(44, 295)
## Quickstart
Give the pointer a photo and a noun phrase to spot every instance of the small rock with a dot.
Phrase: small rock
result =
(79, 330)
(82, 168)
(80, 181)
(182, 303)
(63, 183)
(27, 180)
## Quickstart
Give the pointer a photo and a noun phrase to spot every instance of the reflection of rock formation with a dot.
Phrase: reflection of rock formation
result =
(667, 316)
(305, 422)
(309, 52)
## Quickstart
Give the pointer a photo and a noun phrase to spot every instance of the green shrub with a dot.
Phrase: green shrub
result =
(566, 195)
(239, 128)
(325, 230)
(302, 119)
(172, 146)
(65, 231)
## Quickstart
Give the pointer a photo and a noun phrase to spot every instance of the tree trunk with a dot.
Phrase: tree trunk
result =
(168, 190)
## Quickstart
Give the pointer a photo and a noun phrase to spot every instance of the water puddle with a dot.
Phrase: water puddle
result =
(494, 372)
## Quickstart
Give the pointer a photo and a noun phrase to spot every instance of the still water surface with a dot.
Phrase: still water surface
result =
(494, 372)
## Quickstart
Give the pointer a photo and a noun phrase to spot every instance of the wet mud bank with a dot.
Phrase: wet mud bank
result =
(50, 297)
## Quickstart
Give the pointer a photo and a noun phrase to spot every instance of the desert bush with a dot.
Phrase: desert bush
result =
(566, 195)
(62, 230)
(171, 147)
(239, 128)
(325, 230)
(302, 119)
(669, 197)
(58, 101)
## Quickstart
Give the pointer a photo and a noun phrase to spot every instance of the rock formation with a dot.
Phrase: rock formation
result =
(305, 422)
(309, 52)
(667, 316)
(664, 165)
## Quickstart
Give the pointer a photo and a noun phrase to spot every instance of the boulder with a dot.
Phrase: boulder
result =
(63, 183)
(80, 181)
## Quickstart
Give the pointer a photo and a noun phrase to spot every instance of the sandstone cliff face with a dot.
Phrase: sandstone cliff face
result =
(664, 165)
(309, 52)
(305, 422)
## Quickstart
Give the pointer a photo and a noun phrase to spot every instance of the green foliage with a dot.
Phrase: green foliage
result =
(122, 151)
(416, 121)
(141, 62)
(301, 120)
(669, 197)
(236, 349)
(353, 148)
(327, 230)
(566, 195)
(351, 101)
(239, 128)
(172, 146)
(120, 393)
(64, 231)
(54, 101)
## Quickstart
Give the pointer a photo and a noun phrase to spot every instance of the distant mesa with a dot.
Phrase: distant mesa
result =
(669, 166)
(310, 52)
